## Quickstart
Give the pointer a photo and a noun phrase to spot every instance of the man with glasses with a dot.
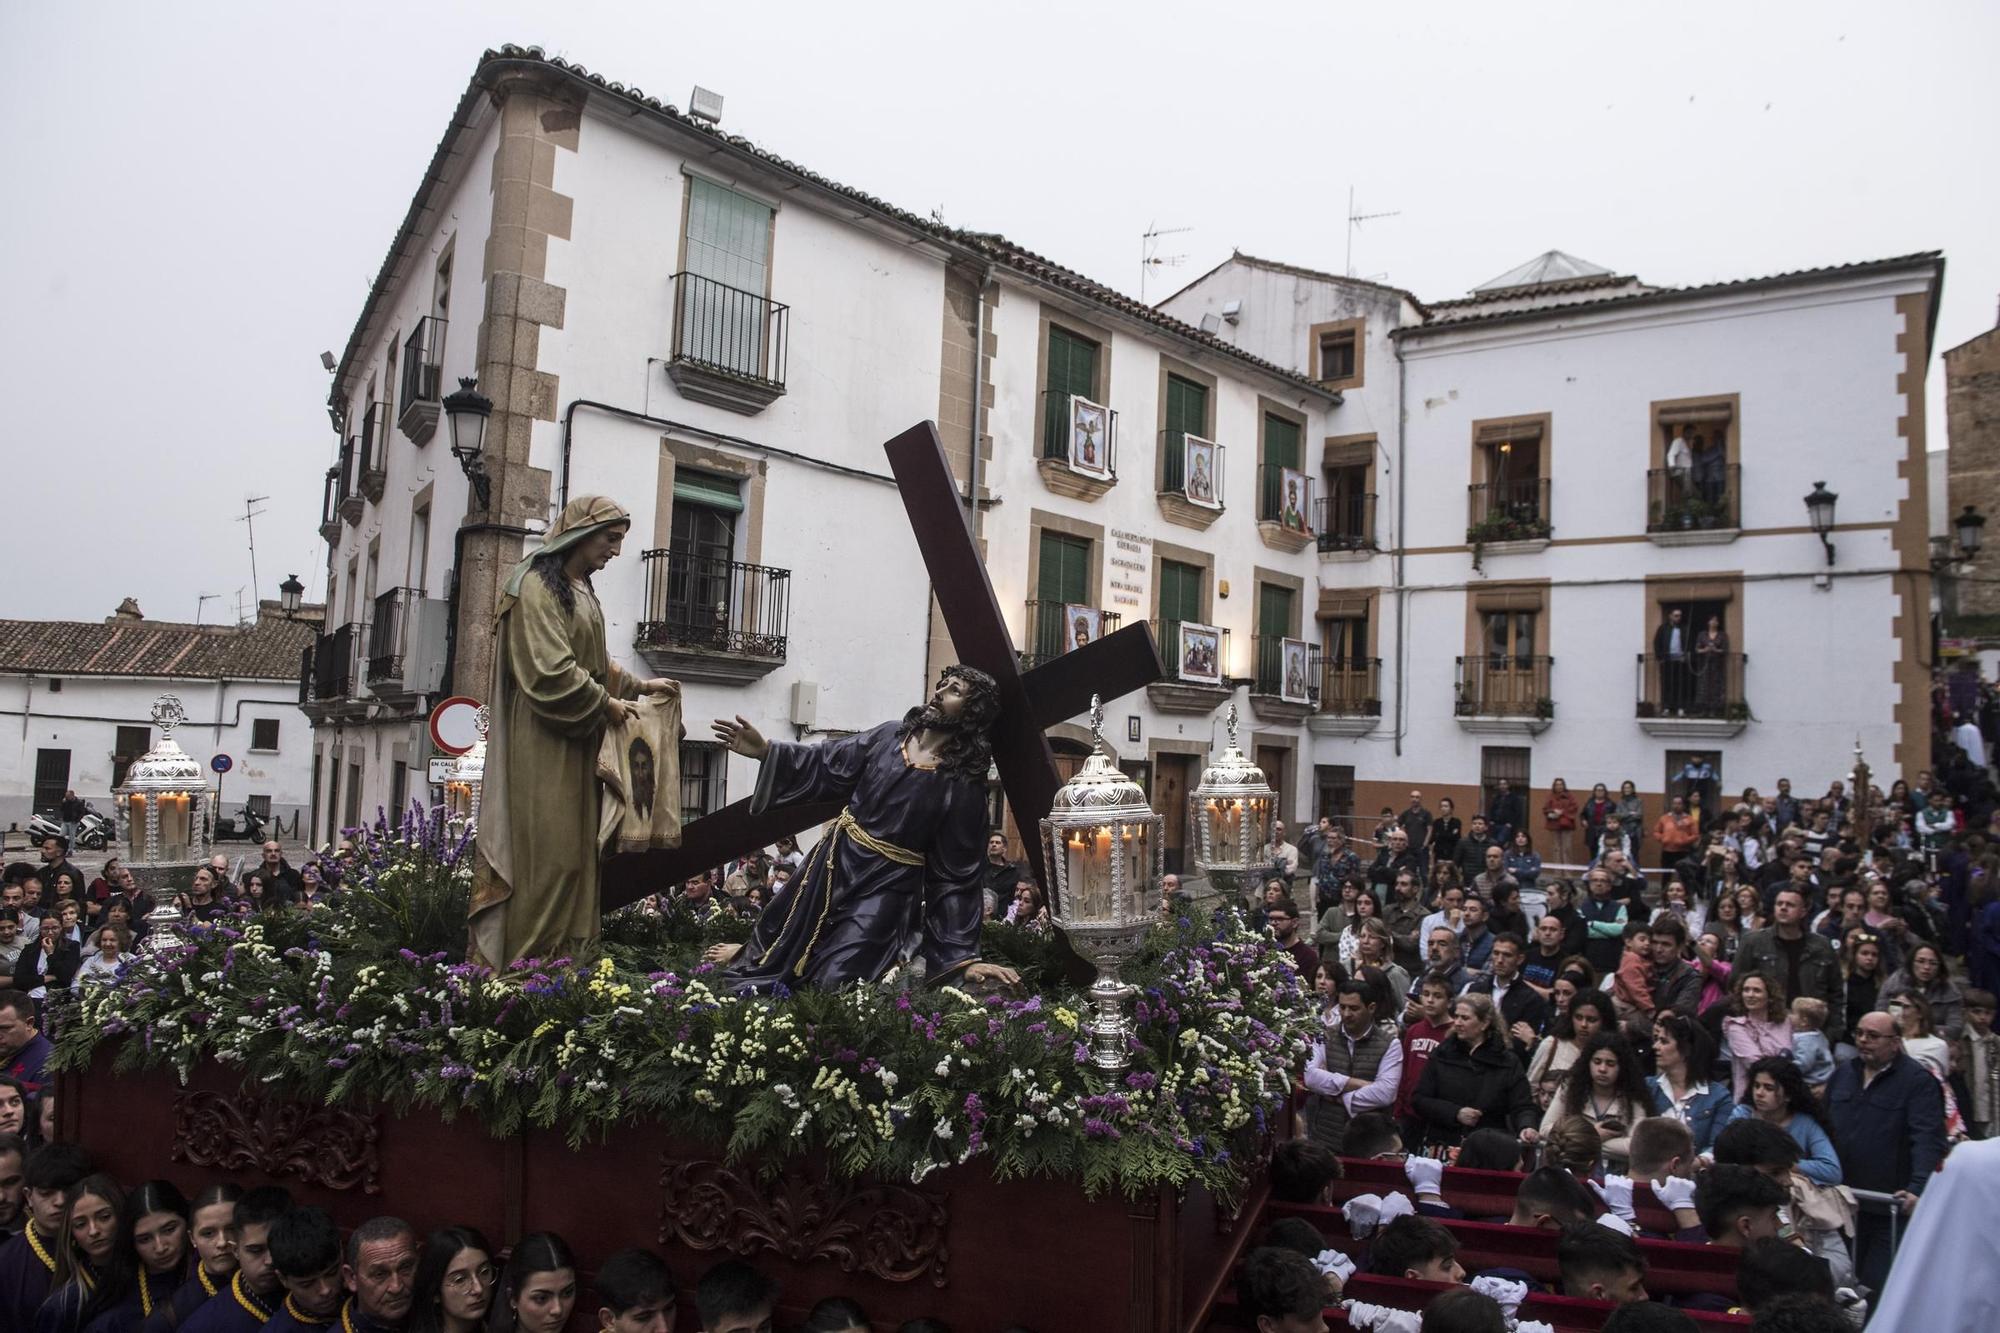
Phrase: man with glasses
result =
(1283, 918)
(1890, 1103)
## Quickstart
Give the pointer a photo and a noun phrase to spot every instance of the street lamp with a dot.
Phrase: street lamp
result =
(1969, 527)
(1819, 509)
(468, 410)
(290, 592)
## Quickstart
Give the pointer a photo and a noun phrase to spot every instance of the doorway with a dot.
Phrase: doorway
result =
(1334, 787)
(51, 780)
(1174, 776)
(1696, 777)
(1276, 762)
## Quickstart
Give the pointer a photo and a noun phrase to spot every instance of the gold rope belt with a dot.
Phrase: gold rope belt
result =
(846, 826)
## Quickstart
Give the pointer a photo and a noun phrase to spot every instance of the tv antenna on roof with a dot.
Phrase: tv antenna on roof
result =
(1354, 221)
(202, 601)
(250, 512)
(1150, 256)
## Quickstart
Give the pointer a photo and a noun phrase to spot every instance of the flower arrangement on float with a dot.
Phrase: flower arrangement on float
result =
(364, 999)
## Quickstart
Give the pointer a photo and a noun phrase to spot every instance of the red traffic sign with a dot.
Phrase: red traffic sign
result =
(454, 724)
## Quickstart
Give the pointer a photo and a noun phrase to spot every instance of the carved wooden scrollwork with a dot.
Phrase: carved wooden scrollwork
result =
(893, 1232)
(321, 1145)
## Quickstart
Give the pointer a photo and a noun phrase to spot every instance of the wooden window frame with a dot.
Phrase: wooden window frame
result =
(1318, 335)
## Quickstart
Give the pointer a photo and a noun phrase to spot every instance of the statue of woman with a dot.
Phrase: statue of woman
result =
(554, 691)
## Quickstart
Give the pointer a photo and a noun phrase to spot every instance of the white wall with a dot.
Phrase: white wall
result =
(85, 716)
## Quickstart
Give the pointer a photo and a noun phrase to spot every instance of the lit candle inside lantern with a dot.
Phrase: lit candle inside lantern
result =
(135, 824)
(1088, 854)
(174, 810)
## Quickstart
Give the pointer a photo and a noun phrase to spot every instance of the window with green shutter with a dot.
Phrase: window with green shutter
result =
(1072, 370)
(1180, 599)
(1281, 450)
(1274, 625)
(1187, 414)
(1064, 578)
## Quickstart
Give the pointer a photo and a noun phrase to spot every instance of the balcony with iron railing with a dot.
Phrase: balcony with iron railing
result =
(1700, 695)
(1512, 511)
(712, 619)
(1191, 480)
(1507, 693)
(329, 505)
(423, 380)
(1694, 507)
(1349, 699)
(1282, 685)
(1079, 455)
(352, 501)
(1346, 523)
(372, 451)
(730, 345)
(338, 665)
(1197, 678)
(1056, 627)
(1285, 507)
(406, 642)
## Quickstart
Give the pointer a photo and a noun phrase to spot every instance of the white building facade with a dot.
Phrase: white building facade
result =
(78, 700)
(722, 342)
(1568, 456)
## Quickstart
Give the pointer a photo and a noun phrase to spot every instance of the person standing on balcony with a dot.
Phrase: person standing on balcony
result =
(554, 691)
(1710, 458)
(1673, 651)
(1680, 466)
(1711, 669)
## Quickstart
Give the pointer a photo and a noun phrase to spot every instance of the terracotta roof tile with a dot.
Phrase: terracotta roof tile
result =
(267, 650)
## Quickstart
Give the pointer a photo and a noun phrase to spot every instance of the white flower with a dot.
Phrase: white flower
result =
(888, 1077)
(944, 1129)
(944, 1067)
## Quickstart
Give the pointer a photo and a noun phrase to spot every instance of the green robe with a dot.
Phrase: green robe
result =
(534, 891)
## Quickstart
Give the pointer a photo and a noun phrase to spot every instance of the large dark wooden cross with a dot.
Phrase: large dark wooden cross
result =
(1061, 688)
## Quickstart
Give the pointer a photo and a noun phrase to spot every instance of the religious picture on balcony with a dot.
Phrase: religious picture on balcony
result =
(1292, 660)
(1293, 513)
(1089, 437)
(1200, 471)
(1081, 625)
(1200, 654)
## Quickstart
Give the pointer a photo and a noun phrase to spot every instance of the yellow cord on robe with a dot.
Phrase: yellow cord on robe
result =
(847, 826)
(35, 1244)
(243, 1299)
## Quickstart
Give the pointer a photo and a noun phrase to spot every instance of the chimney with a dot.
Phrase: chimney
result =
(127, 610)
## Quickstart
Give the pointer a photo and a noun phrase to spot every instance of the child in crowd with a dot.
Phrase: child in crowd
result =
(1810, 1050)
(1982, 1068)
(1632, 991)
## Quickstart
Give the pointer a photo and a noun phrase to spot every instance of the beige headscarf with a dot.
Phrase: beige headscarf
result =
(580, 518)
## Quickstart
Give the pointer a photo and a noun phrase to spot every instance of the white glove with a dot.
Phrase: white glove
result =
(1532, 1326)
(1616, 1191)
(1360, 1314)
(1616, 1223)
(1674, 1192)
(1426, 1175)
(1336, 1264)
(1508, 1293)
(1395, 1206)
(1365, 1213)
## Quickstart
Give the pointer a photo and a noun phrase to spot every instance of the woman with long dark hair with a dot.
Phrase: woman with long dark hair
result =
(212, 1235)
(455, 1282)
(1780, 1095)
(1606, 1088)
(149, 1263)
(539, 1289)
(1586, 1012)
(86, 1254)
(1684, 1055)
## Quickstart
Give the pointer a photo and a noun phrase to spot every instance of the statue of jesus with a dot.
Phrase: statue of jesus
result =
(898, 874)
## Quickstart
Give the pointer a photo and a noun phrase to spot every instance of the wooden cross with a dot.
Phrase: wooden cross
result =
(1061, 688)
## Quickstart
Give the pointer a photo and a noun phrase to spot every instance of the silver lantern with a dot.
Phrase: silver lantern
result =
(1104, 845)
(165, 816)
(1229, 814)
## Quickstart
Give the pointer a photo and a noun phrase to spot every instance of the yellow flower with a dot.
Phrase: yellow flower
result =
(1064, 1017)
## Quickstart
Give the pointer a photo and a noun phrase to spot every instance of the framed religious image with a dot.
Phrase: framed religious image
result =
(1199, 470)
(1294, 657)
(1089, 437)
(1200, 653)
(1293, 500)
(1132, 727)
(1081, 625)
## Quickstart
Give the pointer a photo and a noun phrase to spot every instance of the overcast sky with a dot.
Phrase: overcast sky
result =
(200, 193)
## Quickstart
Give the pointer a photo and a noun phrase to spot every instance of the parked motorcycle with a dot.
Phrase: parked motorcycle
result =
(248, 826)
(93, 832)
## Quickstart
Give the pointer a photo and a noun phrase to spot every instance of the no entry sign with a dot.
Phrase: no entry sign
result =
(455, 724)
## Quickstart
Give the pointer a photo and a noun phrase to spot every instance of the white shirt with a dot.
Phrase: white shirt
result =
(1432, 922)
(1367, 1097)
(1679, 457)
(1968, 738)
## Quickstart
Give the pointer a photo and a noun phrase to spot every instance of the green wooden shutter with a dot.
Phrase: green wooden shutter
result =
(1064, 578)
(1180, 600)
(1274, 624)
(1187, 414)
(1072, 370)
(1281, 450)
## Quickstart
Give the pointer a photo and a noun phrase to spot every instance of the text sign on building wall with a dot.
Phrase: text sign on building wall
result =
(1129, 568)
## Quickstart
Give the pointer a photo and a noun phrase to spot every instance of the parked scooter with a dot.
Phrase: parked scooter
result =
(93, 832)
(248, 826)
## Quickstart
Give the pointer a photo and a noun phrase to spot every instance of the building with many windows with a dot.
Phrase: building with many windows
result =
(1598, 563)
(721, 340)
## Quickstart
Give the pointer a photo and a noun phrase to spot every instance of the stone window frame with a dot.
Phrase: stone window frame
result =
(1317, 335)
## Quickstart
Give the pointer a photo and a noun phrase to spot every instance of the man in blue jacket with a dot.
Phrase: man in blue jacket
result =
(1894, 1106)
